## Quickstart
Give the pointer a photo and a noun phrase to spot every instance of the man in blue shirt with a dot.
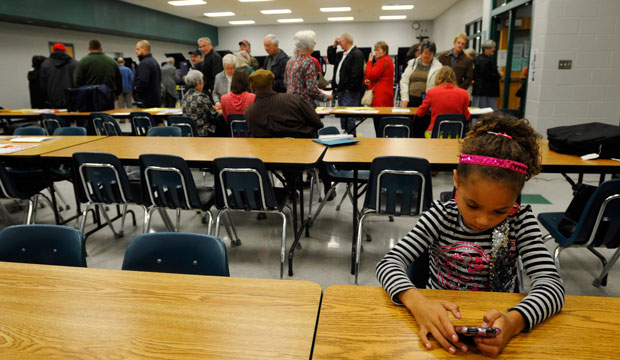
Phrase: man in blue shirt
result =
(125, 101)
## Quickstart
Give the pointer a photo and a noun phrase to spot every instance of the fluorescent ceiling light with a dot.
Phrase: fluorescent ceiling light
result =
(396, 7)
(336, 9)
(218, 14)
(290, 20)
(186, 2)
(254, 0)
(276, 11)
(392, 17)
(343, 18)
(241, 22)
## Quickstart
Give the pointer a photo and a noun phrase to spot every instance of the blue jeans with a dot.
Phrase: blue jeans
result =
(349, 99)
(484, 101)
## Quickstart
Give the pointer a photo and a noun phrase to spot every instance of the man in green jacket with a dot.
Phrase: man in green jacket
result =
(97, 68)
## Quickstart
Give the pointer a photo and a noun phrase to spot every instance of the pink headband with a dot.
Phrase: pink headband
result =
(495, 162)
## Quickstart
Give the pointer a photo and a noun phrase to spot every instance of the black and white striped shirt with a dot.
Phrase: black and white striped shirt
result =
(460, 259)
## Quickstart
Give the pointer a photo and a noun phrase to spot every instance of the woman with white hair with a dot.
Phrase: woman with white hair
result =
(223, 79)
(198, 105)
(300, 77)
(486, 78)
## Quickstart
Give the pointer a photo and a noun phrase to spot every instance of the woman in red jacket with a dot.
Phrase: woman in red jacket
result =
(444, 98)
(380, 77)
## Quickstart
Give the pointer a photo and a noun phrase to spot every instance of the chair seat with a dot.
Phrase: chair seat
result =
(206, 195)
(551, 221)
(347, 175)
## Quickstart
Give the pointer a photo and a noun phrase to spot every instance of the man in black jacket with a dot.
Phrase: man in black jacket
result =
(56, 76)
(486, 78)
(348, 75)
(211, 64)
(147, 80)
(275, 62)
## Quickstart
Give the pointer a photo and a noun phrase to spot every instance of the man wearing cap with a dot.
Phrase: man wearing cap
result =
(125, 101)
(244, 45)
(56, 76)
(147, 81)
(211, 63)
(97, 68)
(276, 61)
(278, 115)
(195, 58)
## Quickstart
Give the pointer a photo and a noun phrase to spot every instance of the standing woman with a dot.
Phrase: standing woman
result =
(224, 79)
(380, 77)
(417, 79)
(486, 78)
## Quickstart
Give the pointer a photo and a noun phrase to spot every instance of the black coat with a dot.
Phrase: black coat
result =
(36, 93)
(147, 82)
(56, 76)
(278, 68)
(352, 70)
(486, 77)
(210, 66)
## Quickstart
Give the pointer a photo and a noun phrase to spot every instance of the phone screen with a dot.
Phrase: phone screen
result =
(477, 331)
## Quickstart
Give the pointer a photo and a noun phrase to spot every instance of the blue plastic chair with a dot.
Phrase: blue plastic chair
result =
(449, 126)
(51, 122)
(164, 131)
(398, 186)
(243, 184)
(30, 131)
(395, 127)
(141, 122)
(598, 226)
(23, 184)
(70, 131)
(180, 253)
(167, 183)
(105, 124)
(238, 126)
(185, 123)
(100, 179)
(42, 244)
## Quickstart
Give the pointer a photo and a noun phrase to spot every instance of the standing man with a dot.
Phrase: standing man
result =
(348, 75)
(276, 61)
(211, 64)
(57, 75)
(147, 81)
(97, 68)
(170, 78)
(486, 83)
(461, 63)
(125, 101)
(195, 58)
(244, 45)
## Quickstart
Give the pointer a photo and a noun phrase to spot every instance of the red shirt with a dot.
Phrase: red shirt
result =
(444, 99)
(381, 76)
(236, 103)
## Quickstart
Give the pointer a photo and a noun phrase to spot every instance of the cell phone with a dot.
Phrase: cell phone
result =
(487, 332)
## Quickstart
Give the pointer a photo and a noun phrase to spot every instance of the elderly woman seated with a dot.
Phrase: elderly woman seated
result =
(224, 78)
(198, 105)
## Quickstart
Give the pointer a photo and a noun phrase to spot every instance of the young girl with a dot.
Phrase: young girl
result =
(475, 239)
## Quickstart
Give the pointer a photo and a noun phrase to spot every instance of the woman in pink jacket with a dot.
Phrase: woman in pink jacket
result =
(239, 96)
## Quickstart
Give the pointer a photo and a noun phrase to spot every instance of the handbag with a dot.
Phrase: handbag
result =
(369, 94)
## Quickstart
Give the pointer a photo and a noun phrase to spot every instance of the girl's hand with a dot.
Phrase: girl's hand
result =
(404, 104)
(432, 317)
(510, 323)
(367, 82)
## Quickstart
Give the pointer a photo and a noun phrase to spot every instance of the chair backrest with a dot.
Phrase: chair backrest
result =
(52, 122)
(239, 128)
(30, 131)
(511, 112)
(243, 183)
(328, 130)
(449, 126)
(168, 182)
(180, 253)
(164, 131)
(399, 185)
(101, 178)
(599, 224)
(42, 244)
(185, 123)
(141, 122)
(70, 131)
(105, 124)
(8, 190)
(395, 127)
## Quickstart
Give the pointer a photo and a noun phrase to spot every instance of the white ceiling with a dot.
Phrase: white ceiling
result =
(361, 10)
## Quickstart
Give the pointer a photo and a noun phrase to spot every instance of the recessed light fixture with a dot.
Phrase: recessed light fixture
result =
(396, 7)
(219, 14)
(296, 20)
(342, 18)
(336, 9)
(392, 17)
(186, 2)
(276, 11)
(242, 22)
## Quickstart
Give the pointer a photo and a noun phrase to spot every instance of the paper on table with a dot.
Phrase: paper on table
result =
(120, 114)
(323, 111)
(400, 110)
(32, 139)
(336, 137)
(482, 111)
(10, 148)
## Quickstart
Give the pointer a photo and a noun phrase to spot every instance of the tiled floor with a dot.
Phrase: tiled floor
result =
(325, 255)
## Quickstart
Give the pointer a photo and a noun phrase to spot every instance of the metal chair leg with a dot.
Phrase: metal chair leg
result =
(217, 222)
(318, 211)
(121, 233)
(358, 246)
(147, 223)
(82, 220)
(347, 192)
(61, 198)
(107, 219)
(32, 205)
(210, 223)
(283, 244)
(147, 215)
(178, 220)
(556, 257)
(599, 280)
(230, 226)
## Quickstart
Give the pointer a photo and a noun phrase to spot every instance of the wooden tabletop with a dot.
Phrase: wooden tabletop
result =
(204, 150)
(371, 111)
(51, 312)
(114, 112)
(56, 143)
(444, 154)
(361, 322)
